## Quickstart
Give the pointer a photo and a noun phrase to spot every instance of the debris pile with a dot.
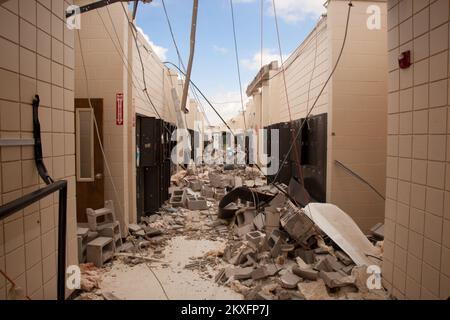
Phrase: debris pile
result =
(273, 248)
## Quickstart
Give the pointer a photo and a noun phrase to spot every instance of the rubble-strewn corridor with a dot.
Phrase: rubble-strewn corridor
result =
(199, 247)
(224, 150)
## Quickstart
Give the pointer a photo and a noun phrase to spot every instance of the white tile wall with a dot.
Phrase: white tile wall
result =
(421, 227)
(31, 62)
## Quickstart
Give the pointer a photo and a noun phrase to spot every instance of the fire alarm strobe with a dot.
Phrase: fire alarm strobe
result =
(404, 59)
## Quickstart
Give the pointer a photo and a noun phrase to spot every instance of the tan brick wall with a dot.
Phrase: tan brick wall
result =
(417, 247)
(36, 56)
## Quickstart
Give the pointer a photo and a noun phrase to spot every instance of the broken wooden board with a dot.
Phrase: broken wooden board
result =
(341, 228)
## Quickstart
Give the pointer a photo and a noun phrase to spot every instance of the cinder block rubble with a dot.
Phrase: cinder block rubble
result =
(196, 203)
(82, 237)
(100, 217)
(100, 250)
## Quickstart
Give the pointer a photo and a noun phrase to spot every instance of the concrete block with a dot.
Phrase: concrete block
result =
(245, 216)
(100, 250)
(109, 230)
(99, 217)
(177, 198)
(207, 192)
(196, 203)
(256, 240)
(82, 246)
(242, 231)
(296, 223)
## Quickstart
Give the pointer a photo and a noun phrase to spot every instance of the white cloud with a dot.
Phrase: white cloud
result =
(220, 50)
(292, 11)
(228, 104)
(269, 55)
(161, 52)
(297, 10)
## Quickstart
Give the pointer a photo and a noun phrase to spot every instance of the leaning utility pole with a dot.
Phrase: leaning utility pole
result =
(191, 57)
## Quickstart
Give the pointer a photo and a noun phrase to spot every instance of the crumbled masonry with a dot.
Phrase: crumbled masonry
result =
(272, 249)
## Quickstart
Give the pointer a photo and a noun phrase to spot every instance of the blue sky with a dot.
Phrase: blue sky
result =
(214, 69)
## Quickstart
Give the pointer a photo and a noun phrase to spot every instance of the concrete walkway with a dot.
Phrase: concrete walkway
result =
(138, 282)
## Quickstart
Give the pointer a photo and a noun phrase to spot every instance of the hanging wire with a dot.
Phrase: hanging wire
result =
(236, 52)
(350, 5)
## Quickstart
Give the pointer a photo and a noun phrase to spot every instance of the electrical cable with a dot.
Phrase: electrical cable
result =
(350, 5)
(292, 129)
(204, 97)
(236, 51)
(360, 178)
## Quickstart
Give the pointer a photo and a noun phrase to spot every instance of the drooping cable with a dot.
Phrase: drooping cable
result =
(292, 129)
(357, 176)
(350, 5)
(236, 52)
(204, 97)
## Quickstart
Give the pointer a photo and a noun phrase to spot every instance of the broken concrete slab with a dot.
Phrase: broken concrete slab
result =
(133, 227)
(305, 273)
(274, 242)
(345, 259)
(242, 273)
(289, 280)
(341, 228)
(328, 263)
(266, 271)
(336, 280)
(307, 256)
